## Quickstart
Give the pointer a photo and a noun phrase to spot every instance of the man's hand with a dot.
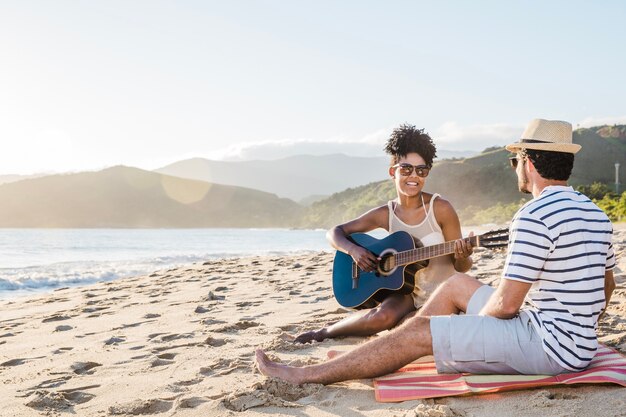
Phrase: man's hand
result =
(506, 301)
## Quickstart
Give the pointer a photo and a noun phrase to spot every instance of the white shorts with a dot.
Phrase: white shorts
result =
(487, 345)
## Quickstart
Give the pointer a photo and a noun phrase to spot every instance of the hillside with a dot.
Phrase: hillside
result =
(130, 197)
(481, 181)
(296, 177)
(5, 179)
(133, 198)
(303, 178)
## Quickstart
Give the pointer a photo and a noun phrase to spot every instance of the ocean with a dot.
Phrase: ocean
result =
(41, 260)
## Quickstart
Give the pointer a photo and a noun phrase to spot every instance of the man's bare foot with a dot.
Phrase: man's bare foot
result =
(314, 335)
(284, 372)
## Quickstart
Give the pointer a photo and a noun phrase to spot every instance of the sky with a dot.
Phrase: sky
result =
(86, 85)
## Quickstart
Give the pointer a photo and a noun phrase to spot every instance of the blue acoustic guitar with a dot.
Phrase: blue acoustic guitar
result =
(401, 257)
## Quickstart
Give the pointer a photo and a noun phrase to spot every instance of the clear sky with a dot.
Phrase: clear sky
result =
(90, 84)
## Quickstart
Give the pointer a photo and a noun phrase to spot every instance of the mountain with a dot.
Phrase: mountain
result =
(303, 178)
(5, 179)
(296, 177)
(481, 181)
(132, 198)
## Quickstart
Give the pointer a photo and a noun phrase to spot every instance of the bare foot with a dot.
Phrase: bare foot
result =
(269, 368)
(332, 354)
(314, 335)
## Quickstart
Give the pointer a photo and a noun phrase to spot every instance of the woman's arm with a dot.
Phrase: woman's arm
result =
(338, 236)
(451, 228)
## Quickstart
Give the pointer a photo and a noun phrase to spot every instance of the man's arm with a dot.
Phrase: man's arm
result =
(506, 301)
(609, 286)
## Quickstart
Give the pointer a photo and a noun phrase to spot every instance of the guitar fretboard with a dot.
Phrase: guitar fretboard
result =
(428, 252)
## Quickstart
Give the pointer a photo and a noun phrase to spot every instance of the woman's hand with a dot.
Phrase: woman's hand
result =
(365, 259)
(462, 248)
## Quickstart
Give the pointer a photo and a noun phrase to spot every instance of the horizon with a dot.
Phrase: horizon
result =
(451, 154)
(149, 83)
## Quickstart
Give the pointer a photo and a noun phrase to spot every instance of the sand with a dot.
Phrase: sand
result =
(180, 342)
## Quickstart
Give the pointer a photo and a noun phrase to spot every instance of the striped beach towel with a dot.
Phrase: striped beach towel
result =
(421, 380)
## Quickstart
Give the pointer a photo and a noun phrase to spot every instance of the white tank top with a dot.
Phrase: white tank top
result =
(429, 233)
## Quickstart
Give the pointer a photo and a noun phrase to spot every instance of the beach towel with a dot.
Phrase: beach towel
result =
(420, 379)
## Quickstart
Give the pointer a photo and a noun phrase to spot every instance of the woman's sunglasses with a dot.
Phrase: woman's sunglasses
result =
(407, 169)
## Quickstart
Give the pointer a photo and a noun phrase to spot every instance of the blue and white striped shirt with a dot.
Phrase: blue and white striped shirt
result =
(560, 242)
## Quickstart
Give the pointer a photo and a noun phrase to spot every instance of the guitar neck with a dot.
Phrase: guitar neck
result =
(428, 252)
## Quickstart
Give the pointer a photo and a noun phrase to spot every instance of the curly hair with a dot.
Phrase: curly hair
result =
(551, 165)
(406, 139)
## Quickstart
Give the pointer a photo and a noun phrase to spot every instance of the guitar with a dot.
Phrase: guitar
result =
(402, 256)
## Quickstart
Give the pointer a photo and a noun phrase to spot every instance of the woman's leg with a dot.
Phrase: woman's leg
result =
(366, 322)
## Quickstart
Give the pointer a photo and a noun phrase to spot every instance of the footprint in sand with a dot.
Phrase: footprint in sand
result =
(173, 336)
(93, 309)
(201, 310)
(545, 398)
(190, 402)
(215, 342)
(62, 350)
(141, 407)
(50, 402)
(114, 340)
(51, 383)
(284, 342)
(14, 362)
(271, 392)
(167, 356)
(241, 325)
(163, 359)
(91, 295)
(213, 297)
(84, 368)
(242, 305)
(56, 317)
(131, 325)
(63, 328)
(7, 335)
(160, 362)
(188, 382)
(225, 366)
(211, 322)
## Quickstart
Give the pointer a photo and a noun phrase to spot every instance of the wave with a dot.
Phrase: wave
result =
(63, 274)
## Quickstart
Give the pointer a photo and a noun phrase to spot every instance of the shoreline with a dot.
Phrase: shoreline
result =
(180, 342)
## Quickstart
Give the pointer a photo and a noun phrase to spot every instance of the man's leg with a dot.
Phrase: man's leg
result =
(387, 353)
(379, 356)
(451, 297)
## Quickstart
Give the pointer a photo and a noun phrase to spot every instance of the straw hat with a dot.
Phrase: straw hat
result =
(546, 135)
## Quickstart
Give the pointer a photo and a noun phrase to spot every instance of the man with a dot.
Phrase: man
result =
(559, 262)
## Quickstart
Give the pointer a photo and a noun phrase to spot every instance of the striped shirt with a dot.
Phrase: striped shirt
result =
(560, 242)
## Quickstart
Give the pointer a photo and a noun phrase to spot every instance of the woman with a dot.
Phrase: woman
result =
(427, 217)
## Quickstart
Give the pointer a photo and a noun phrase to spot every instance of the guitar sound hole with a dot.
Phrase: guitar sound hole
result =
(387, 264)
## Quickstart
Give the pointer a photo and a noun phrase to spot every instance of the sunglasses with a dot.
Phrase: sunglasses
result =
(407, 169)
(513, 161)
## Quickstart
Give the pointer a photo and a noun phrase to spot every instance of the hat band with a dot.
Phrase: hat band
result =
(534, 141)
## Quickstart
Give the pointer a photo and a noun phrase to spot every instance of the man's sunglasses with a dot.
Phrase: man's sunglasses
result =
(513, 161)
(407, 169)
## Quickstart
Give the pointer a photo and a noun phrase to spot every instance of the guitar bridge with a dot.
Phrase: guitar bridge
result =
(355, 276)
